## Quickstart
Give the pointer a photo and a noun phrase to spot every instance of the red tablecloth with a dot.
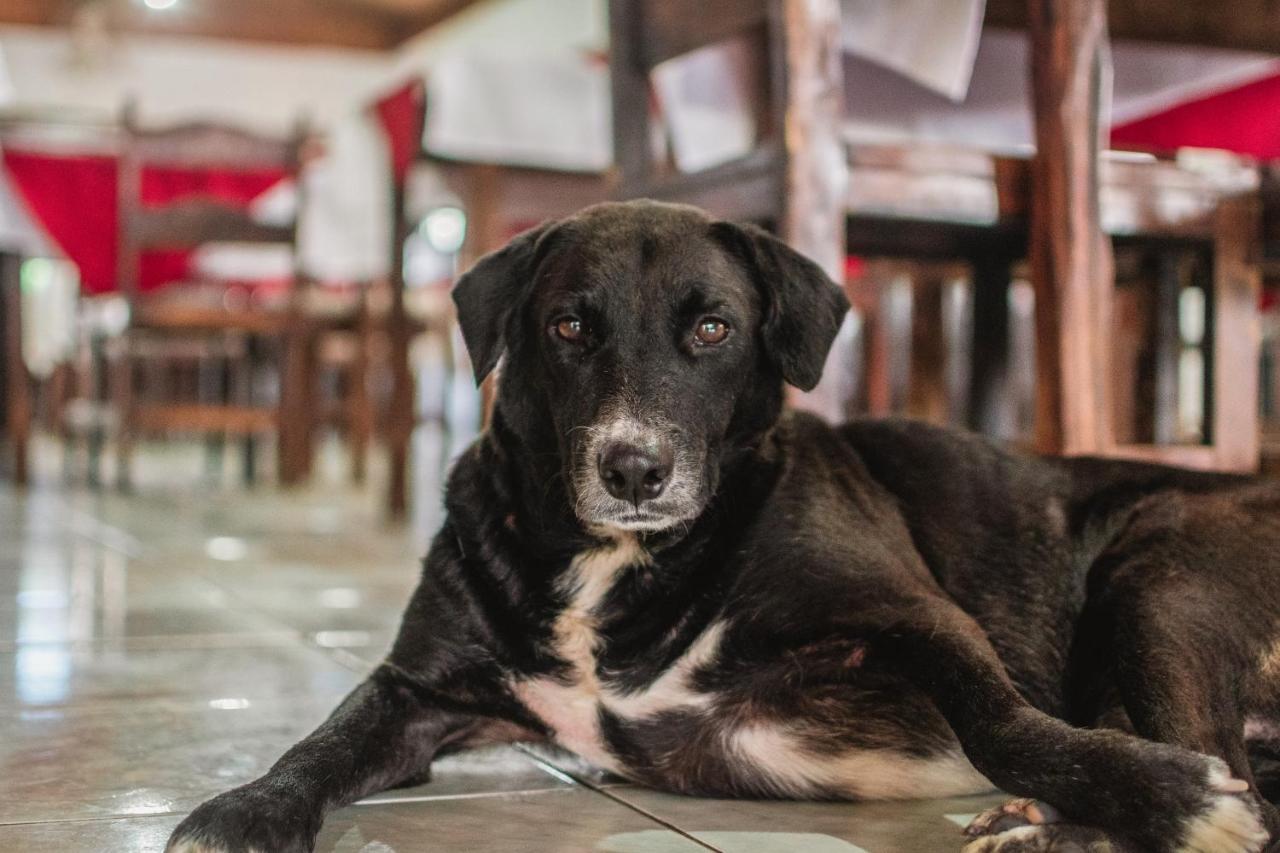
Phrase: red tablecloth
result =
(401, 115)
(1244, 119)
(75, 198)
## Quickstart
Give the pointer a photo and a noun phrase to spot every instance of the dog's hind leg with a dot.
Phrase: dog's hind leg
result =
(1182, 599)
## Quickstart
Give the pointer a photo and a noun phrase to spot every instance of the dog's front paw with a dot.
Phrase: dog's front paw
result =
(1229, 822)
(250, 819)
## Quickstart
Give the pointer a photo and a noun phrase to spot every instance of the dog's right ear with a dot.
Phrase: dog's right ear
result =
(488, 297)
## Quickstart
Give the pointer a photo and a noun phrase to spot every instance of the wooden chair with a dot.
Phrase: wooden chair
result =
(225, 346)
(827, 197)
(15, 388)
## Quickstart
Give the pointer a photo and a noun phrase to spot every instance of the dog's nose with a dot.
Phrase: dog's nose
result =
(635, 474)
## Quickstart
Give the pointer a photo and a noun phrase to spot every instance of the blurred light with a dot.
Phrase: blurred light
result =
(226, 548)
(142, 802)
(445, 229)
(42, 599)
(340, 598)
(342, 639)
(160, 4)
(229, 704)
(43, 674)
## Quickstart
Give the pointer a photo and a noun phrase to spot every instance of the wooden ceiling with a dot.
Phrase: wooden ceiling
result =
(368, 24)
(384, 24)
(1237, 24)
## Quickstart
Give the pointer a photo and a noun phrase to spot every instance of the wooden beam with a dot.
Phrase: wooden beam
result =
(1071, 265)
(1241, 25)
(672, 28)
(817, 166)
(338, 23)
(411, 24)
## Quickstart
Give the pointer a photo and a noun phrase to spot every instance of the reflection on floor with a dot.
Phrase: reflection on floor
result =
(160, 648)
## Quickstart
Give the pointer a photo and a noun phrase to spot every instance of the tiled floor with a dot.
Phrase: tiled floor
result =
(160, 648)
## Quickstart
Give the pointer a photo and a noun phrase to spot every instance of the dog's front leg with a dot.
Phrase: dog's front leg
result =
(1161, 797)
(383, 733)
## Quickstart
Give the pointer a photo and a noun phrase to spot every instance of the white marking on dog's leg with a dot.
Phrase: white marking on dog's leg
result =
(784, 765)
(1229, 825)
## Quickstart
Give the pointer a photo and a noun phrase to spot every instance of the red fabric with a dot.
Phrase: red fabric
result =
(1245, 119)
(75, 199)
(402, 115)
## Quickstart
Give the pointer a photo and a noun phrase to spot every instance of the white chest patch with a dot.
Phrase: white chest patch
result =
(571, 706)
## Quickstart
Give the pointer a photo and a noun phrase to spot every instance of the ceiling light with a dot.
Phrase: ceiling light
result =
(445, 229)
(160, 4)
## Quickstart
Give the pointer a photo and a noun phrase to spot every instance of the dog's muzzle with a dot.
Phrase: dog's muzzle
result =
(634, 475)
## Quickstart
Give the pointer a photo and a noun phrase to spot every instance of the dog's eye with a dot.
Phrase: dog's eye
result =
(569, 329)
(711, 331)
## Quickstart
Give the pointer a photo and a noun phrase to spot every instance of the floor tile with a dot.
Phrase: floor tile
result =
(146, 758)
(570, 821)
(163, 757)
(565, 821)
(755, 826)
(56, 675)
(122, 835)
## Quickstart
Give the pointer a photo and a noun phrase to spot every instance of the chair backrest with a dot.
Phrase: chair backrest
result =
(646, 33)
(186, 223)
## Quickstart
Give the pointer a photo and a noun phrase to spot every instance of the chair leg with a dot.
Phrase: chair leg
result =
(360, 407)
(400, 420)
(124, 401)
(295, 422)
(214, 388)
(249, 459)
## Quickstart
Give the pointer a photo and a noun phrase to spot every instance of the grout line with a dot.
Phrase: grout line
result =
(90, 819)
(606, 792)
(474, 795)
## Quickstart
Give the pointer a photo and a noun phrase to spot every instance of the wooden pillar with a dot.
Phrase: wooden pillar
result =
(1071, 265)
(629, 79)
(1233, 406)
(817, 168)
(482, 197)
(17, 388)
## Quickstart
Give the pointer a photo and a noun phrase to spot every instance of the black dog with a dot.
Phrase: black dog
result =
(647, 562)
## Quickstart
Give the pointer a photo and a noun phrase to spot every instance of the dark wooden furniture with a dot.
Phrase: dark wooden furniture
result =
(794, 179)
(498, 200)
(194, 326)
(826, 197)
(15, 386)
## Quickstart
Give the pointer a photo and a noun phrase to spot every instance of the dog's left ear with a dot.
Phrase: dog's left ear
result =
(488, 297)
(803, 306)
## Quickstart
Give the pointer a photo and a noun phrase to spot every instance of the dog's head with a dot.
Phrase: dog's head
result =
(645, 343)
